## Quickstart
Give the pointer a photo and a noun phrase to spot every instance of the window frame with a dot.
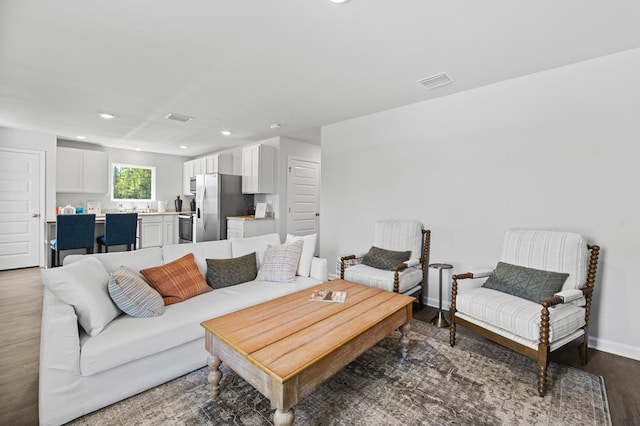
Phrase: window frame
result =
(132, 166)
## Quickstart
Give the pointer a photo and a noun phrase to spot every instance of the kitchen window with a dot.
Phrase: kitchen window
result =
(133, 183)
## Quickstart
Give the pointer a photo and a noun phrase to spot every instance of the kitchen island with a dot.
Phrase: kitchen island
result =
(154, 229)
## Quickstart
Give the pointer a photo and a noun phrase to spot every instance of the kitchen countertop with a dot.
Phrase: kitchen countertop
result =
(101, 217)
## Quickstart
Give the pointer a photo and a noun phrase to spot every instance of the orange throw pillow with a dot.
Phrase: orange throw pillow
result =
(177, 281)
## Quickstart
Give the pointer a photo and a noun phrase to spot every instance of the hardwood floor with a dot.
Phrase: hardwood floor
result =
(20, 316)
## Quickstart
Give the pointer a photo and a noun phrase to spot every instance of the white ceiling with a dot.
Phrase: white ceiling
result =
(245, 64)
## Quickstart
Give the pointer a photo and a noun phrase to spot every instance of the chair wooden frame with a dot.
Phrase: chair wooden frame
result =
(424, 260)
(541, 355)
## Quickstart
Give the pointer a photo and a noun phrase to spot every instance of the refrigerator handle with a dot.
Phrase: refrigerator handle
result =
(198, 213)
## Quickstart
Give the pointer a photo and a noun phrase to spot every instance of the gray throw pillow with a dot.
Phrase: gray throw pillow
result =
(227, 272)
(527, 283)
(133, 295)
(380, 258)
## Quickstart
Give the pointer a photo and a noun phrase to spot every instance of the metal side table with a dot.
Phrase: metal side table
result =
(439, 320)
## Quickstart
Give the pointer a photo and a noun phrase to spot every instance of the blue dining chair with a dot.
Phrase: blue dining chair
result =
(73, 231)
(119, 229)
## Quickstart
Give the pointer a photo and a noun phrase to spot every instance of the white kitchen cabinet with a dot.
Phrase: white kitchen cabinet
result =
(158, 230)
(81, 170)
(199, 166)
(169, 229)
(187, 174)
(247, 226)
(151, 231)
(219, 163)
(258, 169)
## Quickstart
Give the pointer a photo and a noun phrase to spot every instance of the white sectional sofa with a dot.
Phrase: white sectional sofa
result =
(80, 374)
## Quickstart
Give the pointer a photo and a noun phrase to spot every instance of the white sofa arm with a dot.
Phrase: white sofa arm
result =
(59, 336)
(319, 269)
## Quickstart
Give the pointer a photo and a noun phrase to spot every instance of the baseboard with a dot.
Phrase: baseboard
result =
(434, 302)
(615, 348)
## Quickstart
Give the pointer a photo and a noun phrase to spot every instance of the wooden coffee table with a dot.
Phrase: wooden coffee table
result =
(286, 347)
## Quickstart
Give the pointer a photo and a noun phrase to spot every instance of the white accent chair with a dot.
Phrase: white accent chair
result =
(532, 329)
(407, 277)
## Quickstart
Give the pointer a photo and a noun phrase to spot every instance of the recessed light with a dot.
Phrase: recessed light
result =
(106, 115)
(339, 1)
(183, 147)
(225, 132)
(275, 126)
(81, 137)
(138, 149)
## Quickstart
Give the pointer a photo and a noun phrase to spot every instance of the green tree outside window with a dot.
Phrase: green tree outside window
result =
(136, 183)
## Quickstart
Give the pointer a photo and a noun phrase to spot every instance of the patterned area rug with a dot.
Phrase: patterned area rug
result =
(476, 382)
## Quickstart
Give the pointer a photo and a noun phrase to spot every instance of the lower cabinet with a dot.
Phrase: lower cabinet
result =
(244, 228)
(158, 230)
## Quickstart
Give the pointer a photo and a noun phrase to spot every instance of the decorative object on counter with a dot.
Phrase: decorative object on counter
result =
(93, 207)
(269, 212)
(72, 232)
(178, 204)
(193, 205)
(119, 229)
(261, 210)
(162, 206)
(79, 210)
(252, 210)
(68, 209)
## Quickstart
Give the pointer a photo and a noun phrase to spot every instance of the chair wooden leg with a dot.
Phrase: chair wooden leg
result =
(452, 333)
(542, 373)
(128, 247)
(58, 258)
(106, 249)
(53, 258)
(583, 350)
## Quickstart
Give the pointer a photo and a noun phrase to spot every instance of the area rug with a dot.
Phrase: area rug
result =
(475, 383)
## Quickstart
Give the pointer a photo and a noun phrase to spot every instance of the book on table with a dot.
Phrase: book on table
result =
(328, 296)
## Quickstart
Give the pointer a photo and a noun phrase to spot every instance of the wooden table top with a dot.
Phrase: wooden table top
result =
(285, 335)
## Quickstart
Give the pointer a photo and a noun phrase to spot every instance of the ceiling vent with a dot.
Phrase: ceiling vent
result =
(434, 81)
(178, 117)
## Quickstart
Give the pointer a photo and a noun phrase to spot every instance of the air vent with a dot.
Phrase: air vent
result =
(434, 81)
(179, 117)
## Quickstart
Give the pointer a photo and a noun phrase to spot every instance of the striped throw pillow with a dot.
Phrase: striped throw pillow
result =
(280, 263)
(177, 281)
(133, 295)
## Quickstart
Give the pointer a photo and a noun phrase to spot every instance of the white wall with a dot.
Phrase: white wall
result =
(554, 150)
(168, 176)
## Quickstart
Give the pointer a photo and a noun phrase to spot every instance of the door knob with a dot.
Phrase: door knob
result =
(35, 214)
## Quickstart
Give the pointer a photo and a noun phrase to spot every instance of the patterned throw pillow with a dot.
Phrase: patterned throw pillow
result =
(227, 272)
(527, 283)
(380, 258)
(280, 263)
(133, 295)
(177, 281)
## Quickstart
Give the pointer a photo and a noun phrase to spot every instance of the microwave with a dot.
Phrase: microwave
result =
(192, 185)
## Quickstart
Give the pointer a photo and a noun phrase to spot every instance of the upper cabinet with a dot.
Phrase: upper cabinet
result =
(216, 163)
(81, 170)
(257, 169)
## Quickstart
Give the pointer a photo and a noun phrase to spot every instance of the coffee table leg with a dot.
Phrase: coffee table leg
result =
(404, 340)
(214, 375)
(283, 419)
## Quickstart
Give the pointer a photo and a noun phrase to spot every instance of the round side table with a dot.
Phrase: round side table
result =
(439, 320)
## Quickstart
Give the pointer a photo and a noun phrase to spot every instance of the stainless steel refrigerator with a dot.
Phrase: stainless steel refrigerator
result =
(217, 197)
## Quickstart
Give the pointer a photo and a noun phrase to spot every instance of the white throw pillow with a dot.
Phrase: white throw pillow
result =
(83, 285)
(280, 263)
(308, 250)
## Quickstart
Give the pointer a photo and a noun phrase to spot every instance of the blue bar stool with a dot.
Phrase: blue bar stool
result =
(73, 231)
(119, 229)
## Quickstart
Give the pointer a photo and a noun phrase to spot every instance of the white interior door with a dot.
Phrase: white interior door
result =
(303, 197)
(20, 222)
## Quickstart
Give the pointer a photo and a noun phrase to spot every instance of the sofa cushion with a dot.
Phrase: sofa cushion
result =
(308, 250)
(528, 283)
(178, 280)
(550, 251)
(383, 279)
(280, 263)
(128, 339)
(133, 295)
(242, 246)
(132, 260)
(517, 315)
(380, 258)
(83, 285)
(225, 272)
(202, 251)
